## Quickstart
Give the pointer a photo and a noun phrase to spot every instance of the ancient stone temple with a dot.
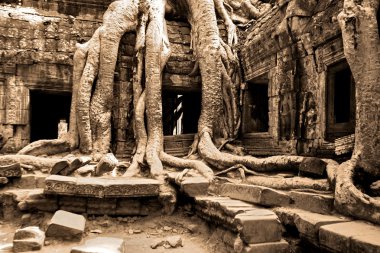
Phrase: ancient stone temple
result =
(189, 126)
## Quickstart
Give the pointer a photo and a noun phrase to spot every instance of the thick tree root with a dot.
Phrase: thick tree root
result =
(350, 200)
(199, 166)
(220, 160)
(40, 163)
(46, 147)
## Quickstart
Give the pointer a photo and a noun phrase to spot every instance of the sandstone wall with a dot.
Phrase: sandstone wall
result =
(293, 46)
(37, 44)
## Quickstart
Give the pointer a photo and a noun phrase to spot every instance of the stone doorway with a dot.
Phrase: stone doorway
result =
(180, 112)
(46, 110)
(256, 108)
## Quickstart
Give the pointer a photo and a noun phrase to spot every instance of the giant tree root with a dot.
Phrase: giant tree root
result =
(40, 163)
(350, 200)
(46, 147)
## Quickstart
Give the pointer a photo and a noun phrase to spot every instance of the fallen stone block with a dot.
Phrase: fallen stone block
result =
(311, 166)
(313, 202)
(28, 239)
(168, 242)
(66, 225)
(254, 194)
(101, 245)
(86, 170)
(11, 170)
(347, 236)
(268, 247)
(106, 164)
(258, 226)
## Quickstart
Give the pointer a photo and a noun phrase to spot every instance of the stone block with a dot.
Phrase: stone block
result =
(101, 187)
(343, 237)
(267, 247)
(365, 243)
(254, 194)
(11, 170)
(313, 166)
(101, 245)
(60, 185)
(131, 187)
(107, 163)
(258, 226)
(66, 225)
(28, 239)
(73, 204)
(313, 202)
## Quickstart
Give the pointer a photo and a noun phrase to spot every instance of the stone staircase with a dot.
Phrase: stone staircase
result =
(258, 217)
(247, 218)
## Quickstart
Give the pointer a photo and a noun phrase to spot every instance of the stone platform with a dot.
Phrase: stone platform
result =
(101, 187)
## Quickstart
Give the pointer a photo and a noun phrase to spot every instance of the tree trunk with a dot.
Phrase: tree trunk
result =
(362, 50)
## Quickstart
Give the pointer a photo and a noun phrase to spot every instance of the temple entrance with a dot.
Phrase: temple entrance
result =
(340, 101)
(256, 118)
(180, 112)
(46, 110)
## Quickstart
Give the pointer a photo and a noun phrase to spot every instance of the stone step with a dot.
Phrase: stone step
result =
(101, 187)
(267, 247)
(265, 196)
(192, 186)
(307, 223)
(354, 236)
(254, 224)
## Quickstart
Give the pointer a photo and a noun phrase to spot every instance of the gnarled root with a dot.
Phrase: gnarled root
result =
(350, 200)
(45, 147)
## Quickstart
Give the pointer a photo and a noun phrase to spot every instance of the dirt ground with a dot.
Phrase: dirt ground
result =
(139, 233)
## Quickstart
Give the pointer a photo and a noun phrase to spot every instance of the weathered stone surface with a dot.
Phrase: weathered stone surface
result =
(195, 186)
(66, 225)
(258, 226)
(11, 170)
(101, 245)
(268, 247)
(30, 181)
(28, 239)
(191, 185)
(254, 194)
(307, 223)
(3, 180)
(107, 163)
(314, 202)
(101, 187)
(37, 200)
(344, 237)
(313, 166)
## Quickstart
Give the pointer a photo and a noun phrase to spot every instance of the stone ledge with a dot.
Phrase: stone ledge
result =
(254, 224)
(307, 223)
(101, 187)
(354, 236)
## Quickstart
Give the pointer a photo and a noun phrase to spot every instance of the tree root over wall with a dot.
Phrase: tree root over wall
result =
(94, 64)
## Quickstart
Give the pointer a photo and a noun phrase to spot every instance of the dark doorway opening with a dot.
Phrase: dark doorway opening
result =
(181, 112)
(47, 109)
(256, 108)
(340, 101)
